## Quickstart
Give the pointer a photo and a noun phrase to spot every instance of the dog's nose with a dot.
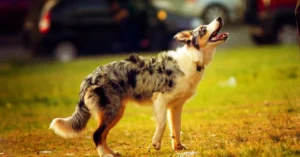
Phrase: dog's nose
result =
(219, 19)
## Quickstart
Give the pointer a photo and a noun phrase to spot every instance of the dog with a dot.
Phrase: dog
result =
(166, 81)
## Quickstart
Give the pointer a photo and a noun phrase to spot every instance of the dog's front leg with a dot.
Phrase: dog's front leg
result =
(160, 112)
(174, 118)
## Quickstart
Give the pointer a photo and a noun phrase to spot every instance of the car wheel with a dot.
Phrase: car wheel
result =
(287, 34)
(214, 11)
(65, 51)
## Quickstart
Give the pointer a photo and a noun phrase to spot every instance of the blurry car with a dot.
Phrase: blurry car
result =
(271, 21)
(12, 15)
(208, 10)
(176, 23)
(68, 28)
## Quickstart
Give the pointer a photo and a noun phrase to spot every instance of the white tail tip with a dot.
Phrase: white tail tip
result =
(63, 128)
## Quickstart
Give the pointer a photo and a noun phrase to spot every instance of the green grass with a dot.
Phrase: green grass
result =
(258, 117)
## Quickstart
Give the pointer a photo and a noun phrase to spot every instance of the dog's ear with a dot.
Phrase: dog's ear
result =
(184, 36)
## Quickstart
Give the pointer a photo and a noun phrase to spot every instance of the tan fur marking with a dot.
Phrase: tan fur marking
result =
(91, 102)
(110, 126)
(184, 36)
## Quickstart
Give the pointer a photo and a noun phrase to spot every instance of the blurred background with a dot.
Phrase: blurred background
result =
(247, 105)
(66, 29)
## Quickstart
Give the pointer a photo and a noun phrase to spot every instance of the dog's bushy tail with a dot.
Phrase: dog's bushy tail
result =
(72, 126)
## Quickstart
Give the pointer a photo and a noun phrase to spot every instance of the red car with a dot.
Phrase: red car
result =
(272, 21)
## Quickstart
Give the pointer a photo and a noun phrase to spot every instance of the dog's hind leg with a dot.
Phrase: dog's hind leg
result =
(108, 119)
(108, 106)
(160, 112)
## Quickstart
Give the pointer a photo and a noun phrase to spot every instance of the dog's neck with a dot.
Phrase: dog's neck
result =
(200, 57)
(192, 60)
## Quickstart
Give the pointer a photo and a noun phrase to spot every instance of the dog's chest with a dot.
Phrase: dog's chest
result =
(187, 85)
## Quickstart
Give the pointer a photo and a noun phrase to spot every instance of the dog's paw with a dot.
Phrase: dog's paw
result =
(116, 154)
(107, 155)
(179, 147)
(156, 145)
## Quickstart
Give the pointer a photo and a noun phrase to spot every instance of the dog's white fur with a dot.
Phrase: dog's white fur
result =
(65, 129)
(186, 57)
(186, 88)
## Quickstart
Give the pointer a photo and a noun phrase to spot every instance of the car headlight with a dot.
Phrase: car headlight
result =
(162, 15)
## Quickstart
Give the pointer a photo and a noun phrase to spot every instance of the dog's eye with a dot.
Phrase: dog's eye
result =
(203, 29)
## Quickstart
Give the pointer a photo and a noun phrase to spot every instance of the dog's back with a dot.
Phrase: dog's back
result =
(136, 77)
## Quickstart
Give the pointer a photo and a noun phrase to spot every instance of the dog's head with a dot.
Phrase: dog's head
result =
(204, 36)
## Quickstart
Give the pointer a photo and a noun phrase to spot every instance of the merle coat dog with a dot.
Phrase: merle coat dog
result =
(166, 81)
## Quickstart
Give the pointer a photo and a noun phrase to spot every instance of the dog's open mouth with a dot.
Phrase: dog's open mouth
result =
(214, 37)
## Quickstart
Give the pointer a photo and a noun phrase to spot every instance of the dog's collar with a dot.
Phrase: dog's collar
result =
(199, 68)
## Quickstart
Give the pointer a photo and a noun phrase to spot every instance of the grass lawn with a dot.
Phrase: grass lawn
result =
(260, 116)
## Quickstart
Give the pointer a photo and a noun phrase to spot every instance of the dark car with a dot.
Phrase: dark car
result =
(67, 28)
(271, 21)
(12, 15)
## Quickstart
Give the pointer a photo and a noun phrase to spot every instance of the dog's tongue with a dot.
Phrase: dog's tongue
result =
(220, 37)
(223, 35)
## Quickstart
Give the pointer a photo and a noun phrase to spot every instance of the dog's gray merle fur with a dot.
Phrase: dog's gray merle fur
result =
(136, 77)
